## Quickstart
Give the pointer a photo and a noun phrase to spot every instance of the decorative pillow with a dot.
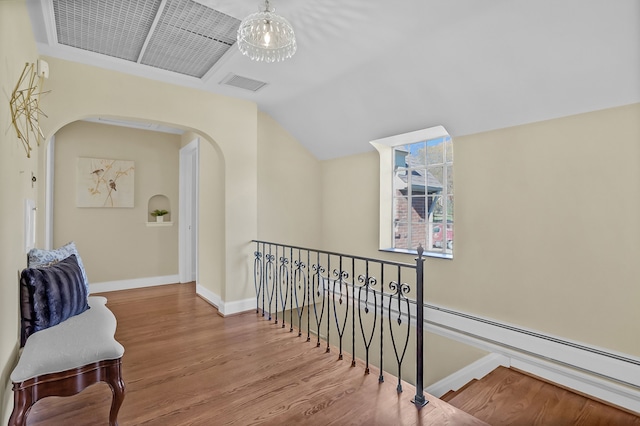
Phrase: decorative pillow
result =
(40, 257)
(50, 295)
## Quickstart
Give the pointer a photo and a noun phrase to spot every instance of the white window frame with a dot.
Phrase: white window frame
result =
(385, 147)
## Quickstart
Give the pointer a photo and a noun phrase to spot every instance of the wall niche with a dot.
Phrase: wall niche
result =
(159, 203)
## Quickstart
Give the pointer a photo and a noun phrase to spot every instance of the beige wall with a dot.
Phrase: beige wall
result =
(350, 225)
(79, 91)
(547, 233)
(289, 188)
(211, 214)
(17, 47)
(350, 213)
(116, 244)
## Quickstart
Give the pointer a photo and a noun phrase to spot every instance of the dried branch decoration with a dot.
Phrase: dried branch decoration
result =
(25, 108)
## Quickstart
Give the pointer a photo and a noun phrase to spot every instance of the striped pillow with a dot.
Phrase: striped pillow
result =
(50, 295)
(40, 257)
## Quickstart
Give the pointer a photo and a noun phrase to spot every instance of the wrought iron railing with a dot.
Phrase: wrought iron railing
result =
(321, 292)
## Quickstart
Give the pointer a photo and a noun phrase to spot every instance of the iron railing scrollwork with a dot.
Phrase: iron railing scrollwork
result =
(339, 297)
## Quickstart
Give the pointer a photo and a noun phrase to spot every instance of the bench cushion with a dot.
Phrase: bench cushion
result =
(77, 341)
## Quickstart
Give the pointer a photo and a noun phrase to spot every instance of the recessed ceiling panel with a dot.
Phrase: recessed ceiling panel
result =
(190, 38)
(116, 28)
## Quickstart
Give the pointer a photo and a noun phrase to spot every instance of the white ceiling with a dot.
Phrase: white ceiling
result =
(367, 69)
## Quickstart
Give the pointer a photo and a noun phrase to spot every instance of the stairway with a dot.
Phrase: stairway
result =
(451, 394)
(507, 396)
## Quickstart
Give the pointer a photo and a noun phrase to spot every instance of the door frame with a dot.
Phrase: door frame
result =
(188, 209)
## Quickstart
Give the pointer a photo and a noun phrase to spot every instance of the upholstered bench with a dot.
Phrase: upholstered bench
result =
(67, 337)
(65, 359)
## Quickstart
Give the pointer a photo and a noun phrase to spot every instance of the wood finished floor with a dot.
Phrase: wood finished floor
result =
(186, 365)
(509, 397)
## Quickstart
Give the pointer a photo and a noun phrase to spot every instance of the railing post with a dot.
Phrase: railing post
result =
(419, 400)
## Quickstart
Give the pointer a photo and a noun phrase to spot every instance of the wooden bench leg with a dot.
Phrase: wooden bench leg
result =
(117, 389)
(67, 383)
(22, 402)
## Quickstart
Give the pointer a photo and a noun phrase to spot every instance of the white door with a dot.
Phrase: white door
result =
(188, 224)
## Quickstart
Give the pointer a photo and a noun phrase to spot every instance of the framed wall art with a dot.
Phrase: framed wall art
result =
(105, 183)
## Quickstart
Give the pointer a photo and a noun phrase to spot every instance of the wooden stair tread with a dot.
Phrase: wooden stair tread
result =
(451, 394)
(507, 397)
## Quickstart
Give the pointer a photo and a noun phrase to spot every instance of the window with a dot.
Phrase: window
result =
(416, 192)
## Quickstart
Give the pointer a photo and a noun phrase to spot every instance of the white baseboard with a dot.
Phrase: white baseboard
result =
(588, 384)
(133, 283)
(578, 381)
(603, 374)
(476, 370)
(608, 364)
(600, 372)
(225, 308)
(208, 295)
(238, 306)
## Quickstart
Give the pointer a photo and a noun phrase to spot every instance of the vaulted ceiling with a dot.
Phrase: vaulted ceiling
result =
(366, 69)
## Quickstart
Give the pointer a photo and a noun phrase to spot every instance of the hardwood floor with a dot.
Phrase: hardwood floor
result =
(186, 365)
(508, 397)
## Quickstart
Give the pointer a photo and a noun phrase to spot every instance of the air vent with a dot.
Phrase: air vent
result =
(181, 36)
(190, 38)
(116, 28)
(243, 82)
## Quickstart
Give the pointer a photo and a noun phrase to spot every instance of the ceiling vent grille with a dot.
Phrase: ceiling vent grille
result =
(190, 38)
(243, 82)
(116, 28)
(181, 36)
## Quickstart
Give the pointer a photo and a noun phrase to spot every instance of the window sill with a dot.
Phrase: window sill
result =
(415, 253)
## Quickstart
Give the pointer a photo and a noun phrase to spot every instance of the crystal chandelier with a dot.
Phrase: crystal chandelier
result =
(265, 36)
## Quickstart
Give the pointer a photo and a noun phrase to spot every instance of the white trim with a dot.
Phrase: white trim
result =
(208, 76)
(141, 125)
(29, 224)
(237, 306)
(412, 137)
(517, 342)
(188, 173)
(621, 396)
(476, 370)
(225, 308)
(593, 371)
(608, 364)
(604, 374)
(154, 24)
(132, 283)
(209, 296)
(384, 147)
(152, 224)
(73, 54)
(49, 19)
